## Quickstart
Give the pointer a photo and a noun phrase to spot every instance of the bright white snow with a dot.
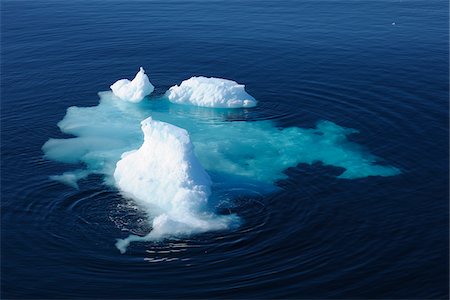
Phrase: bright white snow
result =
(165, 177)
(135, 90)
(211, 92)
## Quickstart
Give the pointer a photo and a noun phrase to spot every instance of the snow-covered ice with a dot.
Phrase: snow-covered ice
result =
(135, 90)
(210, 92)
(165, 176)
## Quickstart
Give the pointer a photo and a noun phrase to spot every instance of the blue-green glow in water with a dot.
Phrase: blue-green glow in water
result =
(168, 180)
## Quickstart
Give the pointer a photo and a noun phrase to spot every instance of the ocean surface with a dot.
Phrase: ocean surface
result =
(379, 67)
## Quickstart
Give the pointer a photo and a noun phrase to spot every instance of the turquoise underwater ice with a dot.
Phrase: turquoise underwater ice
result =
(242, 155)
(253, 150)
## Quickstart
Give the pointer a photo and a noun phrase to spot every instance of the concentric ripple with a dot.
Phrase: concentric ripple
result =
(379, 67)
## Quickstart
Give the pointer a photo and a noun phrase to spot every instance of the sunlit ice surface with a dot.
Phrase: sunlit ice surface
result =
(239, 155)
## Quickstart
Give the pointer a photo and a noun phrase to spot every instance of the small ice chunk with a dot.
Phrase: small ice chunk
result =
(165, 174)
(211, 92)
(135, 90)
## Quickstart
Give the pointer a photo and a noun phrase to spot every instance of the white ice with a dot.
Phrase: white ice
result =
(135, 90)
(210, 92)
(165, 176)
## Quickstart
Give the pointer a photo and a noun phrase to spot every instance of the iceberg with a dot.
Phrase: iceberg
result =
(165, 176)
(180, 162)
(231, 152)
(211, 92)
(135, 90)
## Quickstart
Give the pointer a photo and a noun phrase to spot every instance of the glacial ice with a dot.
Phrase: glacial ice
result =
(165, 176)
(257, 151)
(135, 90)
(210, 92)
(177, 161)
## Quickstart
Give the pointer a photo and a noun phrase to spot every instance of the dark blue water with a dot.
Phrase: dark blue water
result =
(380, 67)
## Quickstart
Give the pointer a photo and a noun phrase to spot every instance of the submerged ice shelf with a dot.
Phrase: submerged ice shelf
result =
(166, 162)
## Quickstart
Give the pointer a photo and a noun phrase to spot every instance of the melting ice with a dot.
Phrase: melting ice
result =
(165, 176)
(175, 162)
(210, 92)
(135, 90)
